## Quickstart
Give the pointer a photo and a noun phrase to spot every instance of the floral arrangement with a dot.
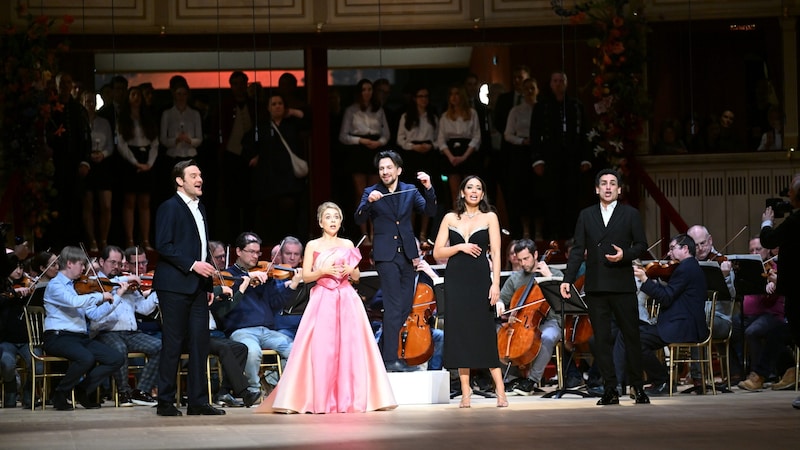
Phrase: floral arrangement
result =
(621, 103)
(28, 98)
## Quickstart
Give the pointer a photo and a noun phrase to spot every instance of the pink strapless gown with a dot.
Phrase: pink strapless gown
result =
(335, 364)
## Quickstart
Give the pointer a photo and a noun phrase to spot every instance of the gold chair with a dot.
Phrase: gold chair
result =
(726, 308)
(34, 321)
(134, 368)
(275, 364)
(681, 352)
(184, 372)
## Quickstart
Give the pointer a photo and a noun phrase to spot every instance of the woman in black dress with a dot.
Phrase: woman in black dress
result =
(466, 237)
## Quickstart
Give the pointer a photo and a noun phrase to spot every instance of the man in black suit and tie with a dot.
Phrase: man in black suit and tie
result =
(182, 281)
(390, 204)
(612, 236)
(681, 317)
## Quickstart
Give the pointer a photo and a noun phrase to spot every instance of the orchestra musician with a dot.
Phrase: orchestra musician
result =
(761, 325)
(704, 243)
(13, 333)
(390, 204)
(612, 236)
(528, 257)
(65, 331)
(119, 330)
(681, 317)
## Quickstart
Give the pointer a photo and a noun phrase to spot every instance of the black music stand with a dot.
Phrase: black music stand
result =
(751, 278)
(551, 289)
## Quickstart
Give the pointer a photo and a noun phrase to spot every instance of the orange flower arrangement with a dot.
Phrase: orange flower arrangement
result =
(617, 85)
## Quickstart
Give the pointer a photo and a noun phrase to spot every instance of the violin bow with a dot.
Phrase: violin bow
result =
(733, 239)
(91, 268)
(34, 282)
(360, 241)
(654, 244)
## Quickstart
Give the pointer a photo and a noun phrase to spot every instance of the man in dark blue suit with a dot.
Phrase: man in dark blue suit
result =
(390, 204)
(182, 281)
(681, 316)
(612, 236)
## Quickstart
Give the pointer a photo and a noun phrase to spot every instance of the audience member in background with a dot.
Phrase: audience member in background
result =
(669, 142)
(772, 139)
(101, 180)
(138, 145)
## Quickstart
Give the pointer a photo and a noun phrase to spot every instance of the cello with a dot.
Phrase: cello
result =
(520, 339)
(415, 345)
(577, 327)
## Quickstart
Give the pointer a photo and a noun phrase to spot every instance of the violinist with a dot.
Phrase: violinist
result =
(120, 330)
(289, 254)
(66, 331)
(252, 321)
(763, 323)
(682, 315)
(14, 335)
(704, 243)
(528, 257)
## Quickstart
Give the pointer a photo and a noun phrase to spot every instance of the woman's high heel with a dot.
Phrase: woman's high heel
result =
(502, 401)
(465, 400)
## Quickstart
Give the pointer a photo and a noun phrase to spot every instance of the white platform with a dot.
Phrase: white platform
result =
(423, 387)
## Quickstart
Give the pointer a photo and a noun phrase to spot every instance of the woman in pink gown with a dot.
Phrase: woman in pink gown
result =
(335, 365)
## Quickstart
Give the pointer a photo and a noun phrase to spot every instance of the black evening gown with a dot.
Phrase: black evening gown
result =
(470, 338)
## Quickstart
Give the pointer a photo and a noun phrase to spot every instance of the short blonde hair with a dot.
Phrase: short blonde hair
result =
(328, 205)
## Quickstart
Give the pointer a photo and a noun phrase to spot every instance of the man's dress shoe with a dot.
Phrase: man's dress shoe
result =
(83, 398)
(167, 409)
(610, 397)
(204, 410)
(250, 397)
(641, 397)
(60, 401)
(658, 389)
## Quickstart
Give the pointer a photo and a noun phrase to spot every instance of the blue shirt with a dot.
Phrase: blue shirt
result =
(67, 311)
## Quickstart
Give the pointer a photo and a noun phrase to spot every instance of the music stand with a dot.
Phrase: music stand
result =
(551, 289)
(750, 278)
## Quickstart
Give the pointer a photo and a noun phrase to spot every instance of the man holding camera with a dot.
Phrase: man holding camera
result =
(785, 237)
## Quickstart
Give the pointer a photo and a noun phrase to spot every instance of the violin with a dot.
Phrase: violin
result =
(274, 271)
(225, 278)
(415, 345)
(662, 270)
(87, 284)
(554, 255)
(718, 257)
(577, 327)
(520, 339)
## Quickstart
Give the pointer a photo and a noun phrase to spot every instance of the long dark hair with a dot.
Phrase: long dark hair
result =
(412, 114)
(374, 106)
(483, 205)
(146, 120)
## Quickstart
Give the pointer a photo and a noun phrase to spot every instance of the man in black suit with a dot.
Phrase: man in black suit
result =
(182, 281)
(681, 316)
(390, 204)
(785, 236)
(612, 236)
